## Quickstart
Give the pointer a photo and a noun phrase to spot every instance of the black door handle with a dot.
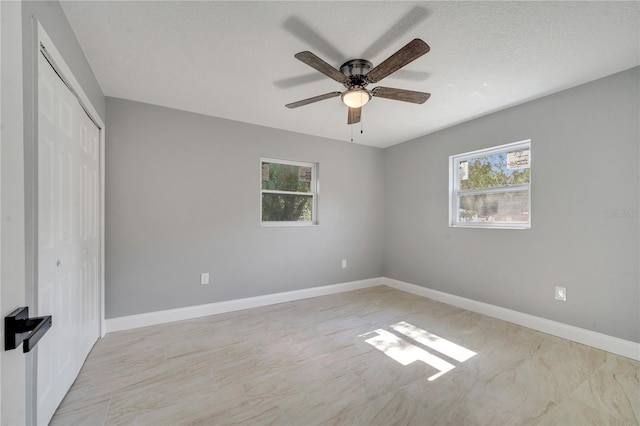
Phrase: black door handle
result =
(19, 328)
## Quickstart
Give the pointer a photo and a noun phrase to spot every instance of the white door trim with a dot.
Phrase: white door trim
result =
(14, 363)
(54, 56)
(1, 210)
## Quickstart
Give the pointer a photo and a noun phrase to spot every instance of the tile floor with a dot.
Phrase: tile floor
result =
(337, 360)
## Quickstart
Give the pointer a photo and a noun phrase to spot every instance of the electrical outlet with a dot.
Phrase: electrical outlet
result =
(561, 294)
(344, 263)
(204, 278)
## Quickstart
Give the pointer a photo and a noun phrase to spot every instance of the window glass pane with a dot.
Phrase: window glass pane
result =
(286, 208)
(286, 177)
(495, 170)
(505, 207)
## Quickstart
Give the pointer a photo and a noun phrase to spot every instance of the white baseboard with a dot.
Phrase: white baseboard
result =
(179, 314)
(605, 342)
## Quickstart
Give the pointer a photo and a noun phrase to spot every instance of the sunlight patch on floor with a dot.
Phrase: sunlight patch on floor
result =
(432, 341)
(406, 353)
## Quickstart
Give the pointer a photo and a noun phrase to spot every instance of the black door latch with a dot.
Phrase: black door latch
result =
(19, 328)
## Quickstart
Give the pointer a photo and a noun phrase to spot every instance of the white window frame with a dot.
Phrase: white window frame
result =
(314, 193)
(455, 192)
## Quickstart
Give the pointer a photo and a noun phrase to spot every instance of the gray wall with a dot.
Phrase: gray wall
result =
(585, 156)
(182, 197)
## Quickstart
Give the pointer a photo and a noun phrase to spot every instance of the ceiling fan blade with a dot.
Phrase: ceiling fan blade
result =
(411, 51)
(354, 115)
(314, 62)
(401, 95)
(312, 100)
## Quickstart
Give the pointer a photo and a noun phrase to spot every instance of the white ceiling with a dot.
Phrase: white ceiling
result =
(235, 59)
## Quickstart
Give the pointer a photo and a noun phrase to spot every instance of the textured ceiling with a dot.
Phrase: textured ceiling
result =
(235, 59)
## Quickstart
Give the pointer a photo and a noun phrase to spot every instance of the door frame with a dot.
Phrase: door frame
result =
(1, 215)
(44, 43)
(14, 363)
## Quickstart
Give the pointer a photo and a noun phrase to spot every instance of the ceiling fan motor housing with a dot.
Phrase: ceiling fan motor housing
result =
(356, 71)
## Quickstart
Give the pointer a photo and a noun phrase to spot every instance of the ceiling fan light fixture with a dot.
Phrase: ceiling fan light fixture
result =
(356, 98)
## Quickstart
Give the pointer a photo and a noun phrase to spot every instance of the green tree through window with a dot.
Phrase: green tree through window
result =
(492, 186)
(492, 171)
(287, 191)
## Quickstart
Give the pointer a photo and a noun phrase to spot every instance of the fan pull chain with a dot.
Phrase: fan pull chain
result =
(351, 128)
(361, 114)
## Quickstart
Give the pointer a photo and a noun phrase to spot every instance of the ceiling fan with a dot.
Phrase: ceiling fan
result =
(356, 74)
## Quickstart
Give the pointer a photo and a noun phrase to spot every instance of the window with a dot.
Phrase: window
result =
(288, 192)
(491, 188)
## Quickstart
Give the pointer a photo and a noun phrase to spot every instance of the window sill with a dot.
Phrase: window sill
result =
(286, 224)
(490, 226)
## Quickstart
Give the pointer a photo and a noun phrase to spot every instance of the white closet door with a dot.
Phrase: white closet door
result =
(89, 234)
(67, 238)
